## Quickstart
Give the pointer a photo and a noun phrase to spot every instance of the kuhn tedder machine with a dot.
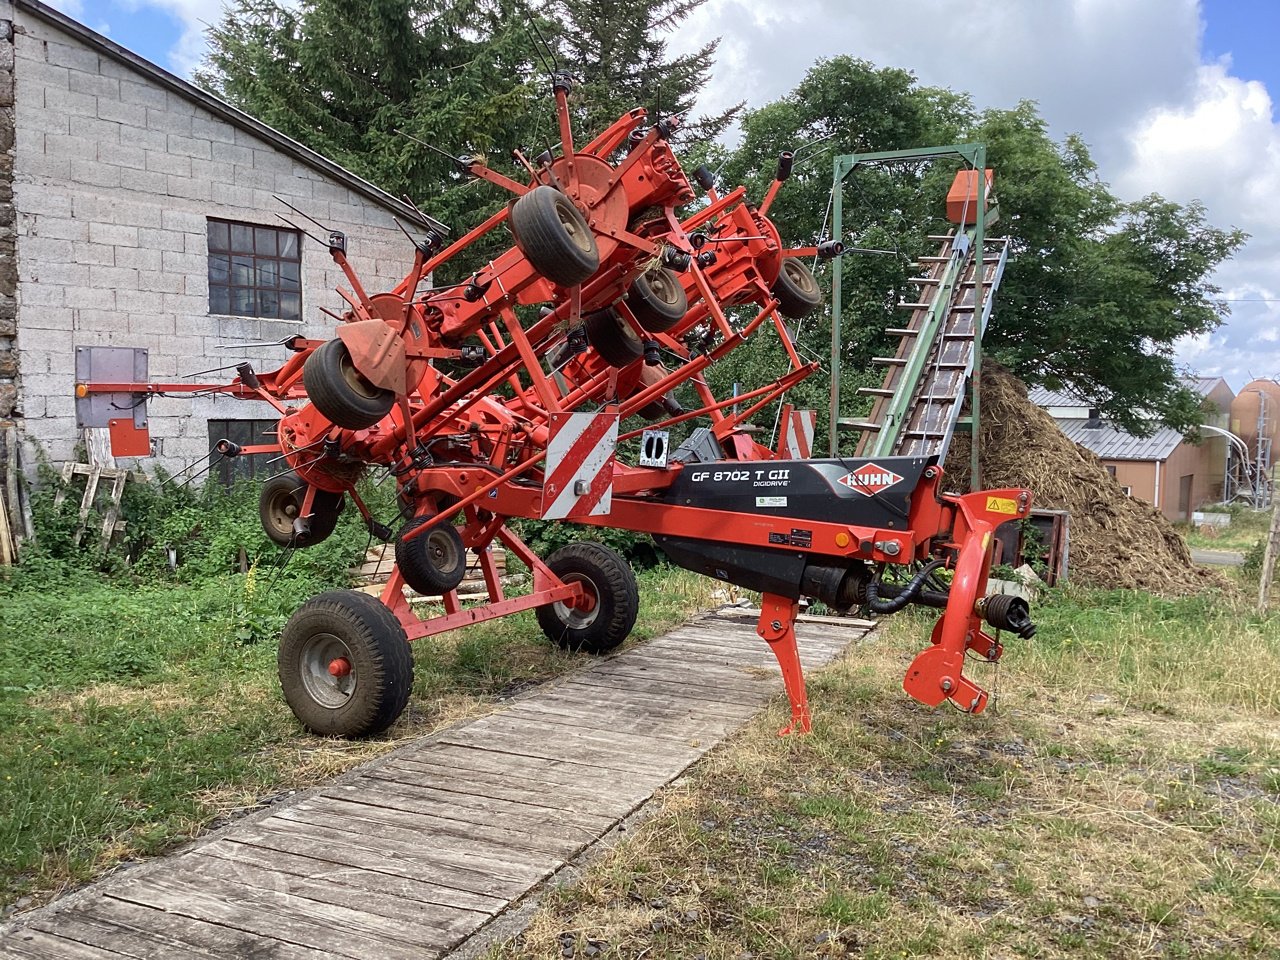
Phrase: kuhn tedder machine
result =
(609, 299)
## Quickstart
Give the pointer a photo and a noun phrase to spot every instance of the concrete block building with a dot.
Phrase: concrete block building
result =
(139, 211)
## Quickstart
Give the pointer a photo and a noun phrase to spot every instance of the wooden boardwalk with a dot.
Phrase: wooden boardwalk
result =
(409, 855)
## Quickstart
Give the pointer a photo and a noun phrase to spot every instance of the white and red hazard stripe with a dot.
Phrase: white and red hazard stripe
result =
(795, 437)
(580, 456)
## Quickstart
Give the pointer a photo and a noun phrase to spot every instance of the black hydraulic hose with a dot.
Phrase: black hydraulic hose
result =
(905, 595)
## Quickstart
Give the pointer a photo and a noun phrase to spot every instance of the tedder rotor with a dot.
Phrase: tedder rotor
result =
(501, 397)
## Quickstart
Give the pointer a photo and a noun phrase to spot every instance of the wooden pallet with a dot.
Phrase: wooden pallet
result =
(410, 855)
(94, 475)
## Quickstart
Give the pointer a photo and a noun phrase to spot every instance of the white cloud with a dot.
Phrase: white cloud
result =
(1127, 76)
(195, 16)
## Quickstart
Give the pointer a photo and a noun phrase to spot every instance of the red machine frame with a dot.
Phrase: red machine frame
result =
(625, 285)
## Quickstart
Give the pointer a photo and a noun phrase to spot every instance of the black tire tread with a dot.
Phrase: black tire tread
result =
(794, 301)
(542, 239)
(326, 509)
(604, 333)
(416, 566)
(656, 315)
(617, 586)
(385, 663)
(327, 389)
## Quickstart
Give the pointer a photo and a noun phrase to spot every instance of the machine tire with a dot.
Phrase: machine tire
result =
(554, 237)
(612, 337)
(617, 599)
(796, 289)
(344, 624)
(433, 563)
(658, 300)
(340, 392)
(280, 502)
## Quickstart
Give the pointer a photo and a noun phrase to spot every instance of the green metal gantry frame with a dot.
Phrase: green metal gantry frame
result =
(976, 155)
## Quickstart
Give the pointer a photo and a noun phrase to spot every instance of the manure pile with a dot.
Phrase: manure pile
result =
(1116, 541)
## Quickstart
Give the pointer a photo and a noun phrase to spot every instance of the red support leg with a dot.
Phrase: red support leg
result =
(777, 627)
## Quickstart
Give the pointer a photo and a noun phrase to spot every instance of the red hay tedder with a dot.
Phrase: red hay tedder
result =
(624, 300)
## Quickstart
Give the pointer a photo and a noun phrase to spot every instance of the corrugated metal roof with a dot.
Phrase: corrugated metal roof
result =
(1201, 385)
(1044, 397)
(1111, 443)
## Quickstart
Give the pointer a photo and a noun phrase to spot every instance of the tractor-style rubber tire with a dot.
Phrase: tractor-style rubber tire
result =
(340, 392)
(344, 624)
(658, 300)
(612, 583)
(612, 337)
(796, 289)
(280, 502)
(434, 563)
(552, 234)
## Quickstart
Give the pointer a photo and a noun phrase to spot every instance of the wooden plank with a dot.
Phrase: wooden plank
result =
(646, 682)
(357, 879)
(523, 847)
(679, 726)
(579, 701)
(738, 686)
(709, 647)
(6, 537)
(466, 808)
(341, 931)
(644, 704)
(86, 502)
(373, 853)
(741, 679)
(408, 921)
(612, 745)
(19, 504)
(194, 935)
(540, 740)
(551, 771)
(112, 514)
(142, 945)
(485, 860)
(702, 665)
(518, 789)
(67, 473)
(39, 945)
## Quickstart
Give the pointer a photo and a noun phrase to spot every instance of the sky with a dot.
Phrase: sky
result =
(1173, 97)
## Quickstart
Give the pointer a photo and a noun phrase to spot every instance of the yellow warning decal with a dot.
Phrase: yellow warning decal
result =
(1002, 505)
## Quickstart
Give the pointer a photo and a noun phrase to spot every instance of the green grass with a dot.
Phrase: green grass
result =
(1119, 800)
(1246, 529)
(139, 704)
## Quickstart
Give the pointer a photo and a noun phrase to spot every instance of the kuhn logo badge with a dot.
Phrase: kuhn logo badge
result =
(870, 479)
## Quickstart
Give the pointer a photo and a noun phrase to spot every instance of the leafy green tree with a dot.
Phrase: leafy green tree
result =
(617, 49)
(1096, 291)
(343, 77)
(349, 79)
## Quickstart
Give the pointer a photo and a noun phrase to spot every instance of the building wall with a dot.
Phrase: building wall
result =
(1138, 475)
(1188, 460)
(114, 178)
(8, 246)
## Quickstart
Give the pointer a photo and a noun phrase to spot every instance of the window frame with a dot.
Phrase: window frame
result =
(246, 430)
(281, 265)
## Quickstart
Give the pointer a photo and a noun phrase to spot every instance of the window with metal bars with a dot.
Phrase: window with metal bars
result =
(244, 433)
(254, 271)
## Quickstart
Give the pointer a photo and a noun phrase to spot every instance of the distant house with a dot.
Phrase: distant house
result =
(1164, 469)
(139, 211)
